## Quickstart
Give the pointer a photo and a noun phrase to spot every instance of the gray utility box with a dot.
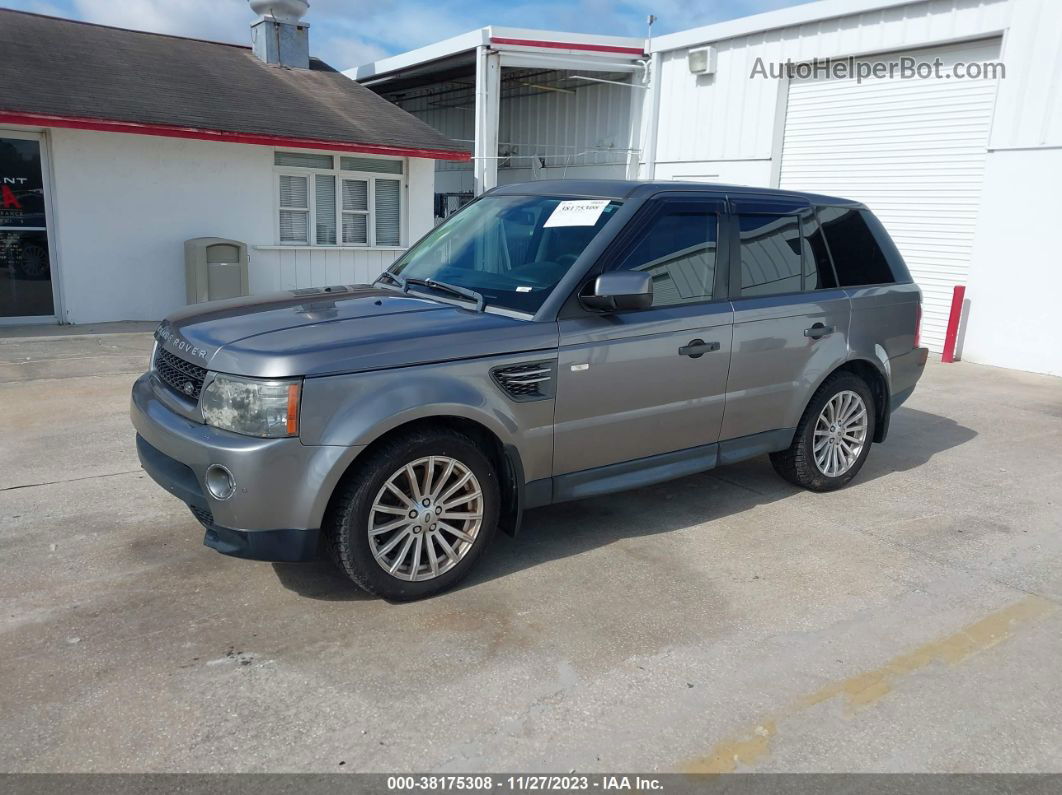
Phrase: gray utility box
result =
(215, 268)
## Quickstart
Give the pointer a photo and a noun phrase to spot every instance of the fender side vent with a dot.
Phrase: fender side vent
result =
(524, 382)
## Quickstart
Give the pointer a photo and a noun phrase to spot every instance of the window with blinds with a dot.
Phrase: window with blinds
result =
(326, 210)
(355, 212)
(294, 209)
(371, 165)
(303, 160)
(388, 220)
(322, 205)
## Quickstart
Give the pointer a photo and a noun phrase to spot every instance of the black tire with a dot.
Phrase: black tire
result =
(346, 524)
(797, 464)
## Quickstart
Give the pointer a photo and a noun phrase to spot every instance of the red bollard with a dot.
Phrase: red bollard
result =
(957, 296)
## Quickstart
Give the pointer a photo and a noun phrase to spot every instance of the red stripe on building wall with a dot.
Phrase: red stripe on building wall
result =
(563, 45)
(222, 136)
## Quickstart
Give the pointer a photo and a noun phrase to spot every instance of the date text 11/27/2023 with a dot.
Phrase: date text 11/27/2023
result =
(543, 783)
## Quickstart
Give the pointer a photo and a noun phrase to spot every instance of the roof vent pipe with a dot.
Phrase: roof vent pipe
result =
(278, 37)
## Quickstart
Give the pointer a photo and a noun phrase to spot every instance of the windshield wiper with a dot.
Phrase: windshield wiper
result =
(453, 289)
(398, 280)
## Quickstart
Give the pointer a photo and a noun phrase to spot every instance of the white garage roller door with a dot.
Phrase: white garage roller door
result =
(912, 150)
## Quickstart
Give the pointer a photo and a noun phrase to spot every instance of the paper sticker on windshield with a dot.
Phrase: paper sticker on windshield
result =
(580, 212)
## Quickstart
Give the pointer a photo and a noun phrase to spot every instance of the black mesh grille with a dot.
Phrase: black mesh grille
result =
(205, 517)
(184, 378)
(533, 381)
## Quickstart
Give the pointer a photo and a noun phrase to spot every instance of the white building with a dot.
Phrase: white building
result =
(961, 169)
(116, 146)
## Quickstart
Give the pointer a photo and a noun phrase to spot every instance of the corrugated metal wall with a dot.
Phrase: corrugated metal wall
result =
(458, 123)
(587, 128)
(730, 116)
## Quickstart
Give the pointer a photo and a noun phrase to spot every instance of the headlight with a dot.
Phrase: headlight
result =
(252, 406)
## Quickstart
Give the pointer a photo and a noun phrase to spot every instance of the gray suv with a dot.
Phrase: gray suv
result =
(551, 341)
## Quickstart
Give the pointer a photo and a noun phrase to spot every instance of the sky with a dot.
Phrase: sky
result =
(346, 33)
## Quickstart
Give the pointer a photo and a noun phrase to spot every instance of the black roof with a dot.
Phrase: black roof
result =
(76, 70)
(627, 188)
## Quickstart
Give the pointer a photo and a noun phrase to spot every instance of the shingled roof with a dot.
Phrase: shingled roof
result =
(64, 73)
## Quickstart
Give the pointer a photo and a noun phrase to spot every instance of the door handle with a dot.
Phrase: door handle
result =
(697, 348)
(817, 331)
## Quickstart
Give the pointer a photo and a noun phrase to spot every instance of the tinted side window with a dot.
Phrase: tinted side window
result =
(818, 272)
(856, 254)
(679, 249)
(771, 257)
(888, 248)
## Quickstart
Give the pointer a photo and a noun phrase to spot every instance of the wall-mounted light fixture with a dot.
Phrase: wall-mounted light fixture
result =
(701, 60)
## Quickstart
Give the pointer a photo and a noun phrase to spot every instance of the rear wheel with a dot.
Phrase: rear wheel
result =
(833, 438)
(415, 516)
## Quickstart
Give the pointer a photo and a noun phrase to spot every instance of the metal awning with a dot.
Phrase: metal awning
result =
(477, 70)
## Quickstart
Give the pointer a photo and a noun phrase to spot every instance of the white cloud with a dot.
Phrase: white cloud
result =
(348, 33)
(43, 7)
(389, 26)
(337, 33)
(221, 20)
(343, 52)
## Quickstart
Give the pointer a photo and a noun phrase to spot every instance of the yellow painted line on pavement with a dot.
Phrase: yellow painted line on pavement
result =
(863, 690)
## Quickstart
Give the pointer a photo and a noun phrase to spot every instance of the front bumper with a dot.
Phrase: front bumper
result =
(282, 485)
(276, 545)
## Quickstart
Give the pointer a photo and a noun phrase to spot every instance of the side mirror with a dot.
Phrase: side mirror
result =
(620, 290)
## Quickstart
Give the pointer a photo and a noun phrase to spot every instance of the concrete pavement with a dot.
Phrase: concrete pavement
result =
(725, 621)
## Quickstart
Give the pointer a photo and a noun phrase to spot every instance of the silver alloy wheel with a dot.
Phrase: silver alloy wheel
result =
(425, 518)
(840, 433)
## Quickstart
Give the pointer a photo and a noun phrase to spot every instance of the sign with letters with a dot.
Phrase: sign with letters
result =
(580, 212)
(21, 184)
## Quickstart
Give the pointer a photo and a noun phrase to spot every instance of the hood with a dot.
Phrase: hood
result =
(330, 330)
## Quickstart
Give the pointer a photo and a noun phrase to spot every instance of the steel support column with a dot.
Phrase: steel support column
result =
(488, 100)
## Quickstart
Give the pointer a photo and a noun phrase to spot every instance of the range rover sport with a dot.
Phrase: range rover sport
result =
(552, 341)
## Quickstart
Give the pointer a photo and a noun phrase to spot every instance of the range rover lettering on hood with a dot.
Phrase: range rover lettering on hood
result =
(292, 334)
(177, 344)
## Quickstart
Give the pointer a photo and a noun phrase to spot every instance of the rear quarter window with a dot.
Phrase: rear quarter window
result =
(857, 255)
(888, 248)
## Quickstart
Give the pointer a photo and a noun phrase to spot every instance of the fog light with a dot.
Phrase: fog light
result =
(220, 482)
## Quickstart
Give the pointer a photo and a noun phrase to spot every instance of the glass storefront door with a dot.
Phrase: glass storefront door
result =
(25, 267)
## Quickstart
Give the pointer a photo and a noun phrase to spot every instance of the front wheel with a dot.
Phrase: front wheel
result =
(415, 515)
(833, 438)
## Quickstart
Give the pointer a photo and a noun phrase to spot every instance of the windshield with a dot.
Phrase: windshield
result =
(512, 250)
